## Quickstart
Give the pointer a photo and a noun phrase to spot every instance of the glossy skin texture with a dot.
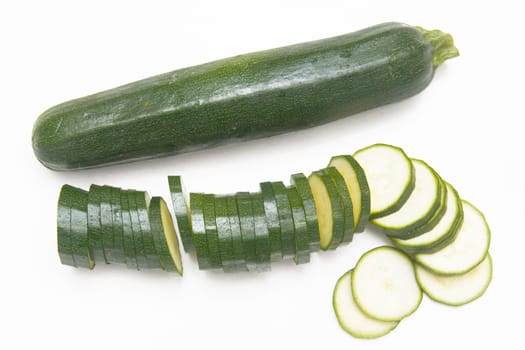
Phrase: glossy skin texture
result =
(243, 97)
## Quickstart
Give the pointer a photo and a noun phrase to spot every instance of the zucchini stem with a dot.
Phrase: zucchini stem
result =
(443, 44)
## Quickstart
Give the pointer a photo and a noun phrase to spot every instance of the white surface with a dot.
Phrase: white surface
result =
(465, 125)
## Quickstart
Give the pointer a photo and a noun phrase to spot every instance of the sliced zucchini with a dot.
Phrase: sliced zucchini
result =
(390, 176)
(330, 211)
(300, 181)
(200, 241)
(212, 237)
(64, 239)
(167, 243)
(94, 225)
(301, 237)
(142, 200)
(467, 250)
(106, 223)
(357, 185)
(421, 205)
(285, 219)
(350, 316)
(127, 232)
(79, 232)
(247, 222)
(235, 226)
(118, 255)
(384, 284)
(262, 236)
(272, 220)
(224, 234)
(182, 211)
(348, 207)
(456, 290)
(441, 234)
(137, 233)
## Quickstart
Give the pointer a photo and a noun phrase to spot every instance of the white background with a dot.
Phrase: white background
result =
(466, 124)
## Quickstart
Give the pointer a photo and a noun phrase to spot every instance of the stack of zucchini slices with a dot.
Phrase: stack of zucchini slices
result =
(441, 245)
(115, 226)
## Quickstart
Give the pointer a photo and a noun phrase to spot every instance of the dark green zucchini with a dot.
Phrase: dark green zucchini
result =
(247, 222)
(243, 97)
(272, 221)
(94, 225)
(64, 239)
(285, 218)
(301, 236)
(106, 223)
(300, 182)
(142, 201)
(262, 236)
(118, 254)
(127, 232)
(182, 211)
(235, 226)
(200, 242)
(82, 252)
(224, 232)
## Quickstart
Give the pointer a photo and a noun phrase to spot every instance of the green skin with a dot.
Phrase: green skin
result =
(181, 212)
(243, 97)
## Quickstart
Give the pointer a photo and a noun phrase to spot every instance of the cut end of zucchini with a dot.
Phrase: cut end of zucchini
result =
(323, 206)
(443, 43)
(171, 236)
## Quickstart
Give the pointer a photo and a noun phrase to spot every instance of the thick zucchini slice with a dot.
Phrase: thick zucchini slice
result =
(390, 176)
(212, 237)
(137, 233)
(285, 219)
(224, 234)
(182, 211)
(199, 230)
(106, 223)
(247, 221)
(441, 234)
(94, 225)
(64, 239)
(301, 237)
(167, 243)
(467, 250)
(330, 211)
(243, 97)
(344, 195)
(272, 220)
(262, 236)
(235, 226)
(118, 255)
(300, 181)
(384, 284)
(127, 232)
(79, 232)
(350, 316)
(456, 290)
(420, 207)
(357, 185)
(142, 200)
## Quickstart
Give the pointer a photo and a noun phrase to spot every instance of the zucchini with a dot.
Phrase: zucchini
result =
(64, 239)
(106, 223)
(118, 255)
(301, 236)
(94, 224)
(285, 219)
(142, 201)
(224, 233)
(140, 252)
(262, 239)
(199, 230)
(357, 184)
(212, 236)
(82, 251)
(300, 182)
(181, 210)
(235, 226)
(127, 232)
(272, 221)
(243, 97)
(247, 223)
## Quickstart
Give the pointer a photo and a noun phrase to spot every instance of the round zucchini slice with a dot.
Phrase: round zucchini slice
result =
(235, 226)
(247, 222)
(64, 239)
(118, 255)
(142, 200)
(199, 231)
(94, 224)
(79, 230)
(300, 182)
(262, 236)
(127, 232)
(272, 221)
(181, 207)
(302, 239)
(224, 233)
(285, 219)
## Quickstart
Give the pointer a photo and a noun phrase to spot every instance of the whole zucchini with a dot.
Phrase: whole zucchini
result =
(243, 97)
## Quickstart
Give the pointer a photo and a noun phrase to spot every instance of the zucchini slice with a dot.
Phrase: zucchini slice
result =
(106, 223)
(384, 284)
(165, 236)
(330, 211)
(348, 207)
(467, 250)
(127, 232)
(357, 185)
(142, 200)
(421, 205)
(300, 181)
(302, 239)
(390, 176)
(235, 226)
(79, 230)
(137, 233)
(247, 221)
(272, 220)
(118, 255)
(212, 237)
(262, 239)
(285, 219)
(182, 212)
(94, 225)
(456, 290)
(441, 234)
(224, 234)
(199, 230)
(64, 239)
(350, 316)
